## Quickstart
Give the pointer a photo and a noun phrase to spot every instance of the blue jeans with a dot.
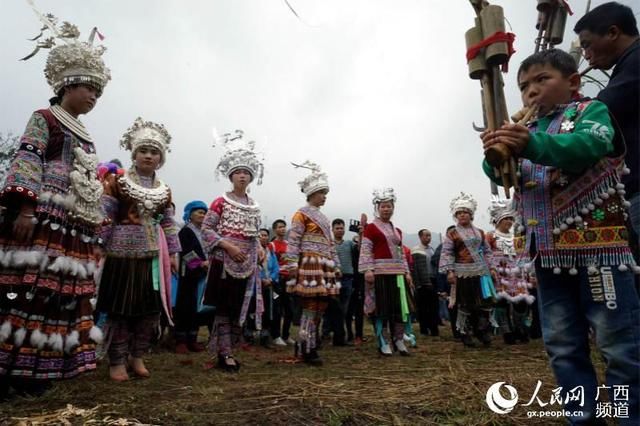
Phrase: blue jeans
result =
(569, 306)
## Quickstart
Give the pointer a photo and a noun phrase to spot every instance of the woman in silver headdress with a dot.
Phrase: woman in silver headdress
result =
(513, 275)
(230, 237)
(312, 262)
(466, 259)
(49, 217)
(386, 273)
(141, 244)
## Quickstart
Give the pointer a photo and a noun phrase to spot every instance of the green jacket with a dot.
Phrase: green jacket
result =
(590, 140)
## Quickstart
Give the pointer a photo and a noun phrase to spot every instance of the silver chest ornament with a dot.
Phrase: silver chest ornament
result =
(149, 200)
(240, 219)
(85, 188)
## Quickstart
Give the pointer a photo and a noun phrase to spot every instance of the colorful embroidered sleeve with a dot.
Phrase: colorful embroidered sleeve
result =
(210, 235)
(170, 228)
(448, 254)
(366, 261)
(24, 178)
(590, 140)
(294, 240)
(110, 205)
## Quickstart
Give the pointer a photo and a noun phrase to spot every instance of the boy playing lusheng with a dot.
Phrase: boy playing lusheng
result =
(572, 207)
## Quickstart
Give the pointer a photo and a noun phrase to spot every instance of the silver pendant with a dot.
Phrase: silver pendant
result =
(71, 305)
(55, 226)
(74, 232)
(29, 295)
(85, 238)
(12, 295)
(93, 302)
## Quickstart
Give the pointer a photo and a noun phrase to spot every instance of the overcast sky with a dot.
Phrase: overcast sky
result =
(376, 92)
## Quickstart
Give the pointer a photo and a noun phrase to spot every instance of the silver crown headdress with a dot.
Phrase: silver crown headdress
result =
(74, 61)
(316, 181)
(381, 195)
(463, 202)
(239, 155)
(499, 209)
(146, 133)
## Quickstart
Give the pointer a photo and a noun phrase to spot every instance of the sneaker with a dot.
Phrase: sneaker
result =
(385, 349)
(290, 341)
(280, 342)
(400, 346)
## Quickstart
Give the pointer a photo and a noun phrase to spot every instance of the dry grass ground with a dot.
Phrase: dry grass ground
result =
(441, 383)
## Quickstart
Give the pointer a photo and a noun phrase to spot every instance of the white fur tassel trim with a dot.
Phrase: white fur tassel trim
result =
(6, 260)
(91, 268)
(502, 295)
(530, 299)
(96, 334)
(5, 331)
(18, 336)
(24, 258)
(72, 341)
(38, 339)
(518, 298)
(58, 265)
(56, 342)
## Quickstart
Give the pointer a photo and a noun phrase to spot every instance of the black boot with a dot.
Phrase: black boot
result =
(312, 358)
(30, 387)
(467, 340)
(485, 338)
(4, 389)
(509, 338)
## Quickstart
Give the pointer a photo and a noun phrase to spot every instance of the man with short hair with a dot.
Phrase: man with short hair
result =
(283, 302)
(424, 280)
(337, 310)
(609, 37)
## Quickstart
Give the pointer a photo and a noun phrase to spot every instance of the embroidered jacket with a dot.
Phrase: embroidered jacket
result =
(41, 171)
(512, 270)
(237, 223)
(381, 250)
(134, 213)
(310, 234)
(465, 252)
(572, 201)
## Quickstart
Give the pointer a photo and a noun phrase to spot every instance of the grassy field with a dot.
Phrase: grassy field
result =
(441, 383)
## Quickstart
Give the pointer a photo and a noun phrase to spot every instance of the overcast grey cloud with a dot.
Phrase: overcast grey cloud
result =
(375, 91)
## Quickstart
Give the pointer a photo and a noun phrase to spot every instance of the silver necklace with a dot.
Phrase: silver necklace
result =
(71, 123)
